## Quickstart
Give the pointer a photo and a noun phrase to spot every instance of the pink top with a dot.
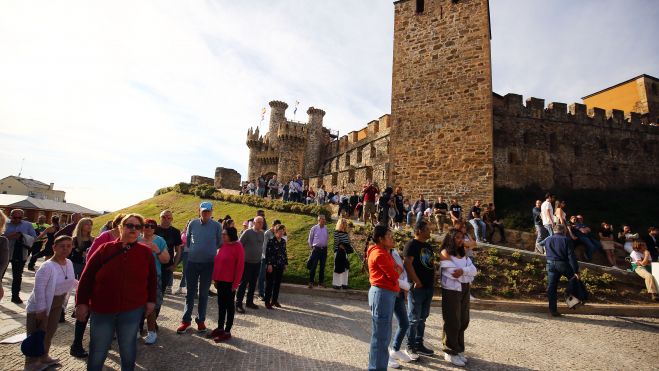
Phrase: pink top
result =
(98, 241)
(229, 263)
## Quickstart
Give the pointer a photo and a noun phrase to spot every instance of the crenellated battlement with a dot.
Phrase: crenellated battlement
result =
(373, 130)
(575, 113)
(290, 130)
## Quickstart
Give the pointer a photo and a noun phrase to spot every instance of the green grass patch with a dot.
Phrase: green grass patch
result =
(185, 207)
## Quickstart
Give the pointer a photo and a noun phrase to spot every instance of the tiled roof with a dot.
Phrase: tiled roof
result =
(25, 202)
(31, 183)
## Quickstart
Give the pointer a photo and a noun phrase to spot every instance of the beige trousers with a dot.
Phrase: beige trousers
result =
(650, 285)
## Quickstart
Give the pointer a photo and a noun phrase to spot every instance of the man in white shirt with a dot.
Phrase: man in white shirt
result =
(547, 215)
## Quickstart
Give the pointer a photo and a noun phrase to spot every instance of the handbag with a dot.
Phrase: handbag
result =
(349, 249)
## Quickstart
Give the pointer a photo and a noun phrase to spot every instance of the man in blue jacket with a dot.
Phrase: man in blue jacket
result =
(561, 261)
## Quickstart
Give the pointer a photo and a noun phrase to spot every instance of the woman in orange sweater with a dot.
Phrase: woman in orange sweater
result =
(383, 275)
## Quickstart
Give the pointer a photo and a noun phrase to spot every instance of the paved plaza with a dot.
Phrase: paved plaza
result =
(326, 333)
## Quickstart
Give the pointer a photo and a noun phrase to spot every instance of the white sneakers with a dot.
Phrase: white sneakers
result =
(392, 363)
(454, 359)
(150, 338)
(401, 356)
(463, 357)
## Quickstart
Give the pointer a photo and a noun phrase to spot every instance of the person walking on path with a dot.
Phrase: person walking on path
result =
(4, 251)
(158, 247)
(252, 241)
(68, 229)
(53, 283)
(342, 249)
(541, 232)
(547, 216)
(420, 267)
(82, 241)
(458, 271)
(49, 234)
(267, 236)
(383, 274)
(227, 272)
(400, 312)
(277, 261)
(172, 236)
(203, 239)
(318, 240)
(561, 261)
(118, 287)
(15, 232)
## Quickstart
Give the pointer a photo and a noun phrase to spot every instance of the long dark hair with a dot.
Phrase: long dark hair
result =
(450, 246)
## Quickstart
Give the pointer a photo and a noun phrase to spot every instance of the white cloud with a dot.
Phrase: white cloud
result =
(112, 100)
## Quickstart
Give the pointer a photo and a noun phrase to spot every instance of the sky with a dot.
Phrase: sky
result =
(113, 100)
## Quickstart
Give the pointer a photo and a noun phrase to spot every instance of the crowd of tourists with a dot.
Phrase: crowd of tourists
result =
(642, 249)
(121, 276)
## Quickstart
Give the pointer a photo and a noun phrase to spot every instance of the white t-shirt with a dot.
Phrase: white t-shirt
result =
(546, 213)
(636, 256)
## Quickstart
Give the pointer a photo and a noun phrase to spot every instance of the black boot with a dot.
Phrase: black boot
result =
(78, 351)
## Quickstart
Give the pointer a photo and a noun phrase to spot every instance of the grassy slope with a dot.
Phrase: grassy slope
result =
(184, 207)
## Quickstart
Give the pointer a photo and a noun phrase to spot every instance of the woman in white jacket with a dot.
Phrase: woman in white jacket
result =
(458, 271)
(52, 284)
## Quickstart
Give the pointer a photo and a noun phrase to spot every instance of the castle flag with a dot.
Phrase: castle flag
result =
(262, 114)
(295, 110)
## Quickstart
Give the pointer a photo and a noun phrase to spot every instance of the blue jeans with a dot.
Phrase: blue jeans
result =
(381, 302)
(184, 261)
(262, 278)
(103, 328)
(401, 316)
(550, 232)
(410, 213)
(479, 228)
(318, 255)
(418, 309)
(197, 274)
(556, 269)
(591, 245)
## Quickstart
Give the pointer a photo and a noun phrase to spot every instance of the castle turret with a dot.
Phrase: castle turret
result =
(277, 116)
(315, 135)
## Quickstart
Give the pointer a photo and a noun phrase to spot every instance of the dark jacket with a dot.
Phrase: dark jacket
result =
(561, 248)
(653, 246)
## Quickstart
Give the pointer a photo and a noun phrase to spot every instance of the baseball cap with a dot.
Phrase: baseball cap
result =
(206, 206)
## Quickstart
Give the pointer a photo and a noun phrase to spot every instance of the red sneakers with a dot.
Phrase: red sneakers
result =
(223, 337)
(215, 333)
(201, 327)
(183, 328)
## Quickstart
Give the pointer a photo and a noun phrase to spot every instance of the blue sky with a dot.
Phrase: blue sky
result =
(112, 100)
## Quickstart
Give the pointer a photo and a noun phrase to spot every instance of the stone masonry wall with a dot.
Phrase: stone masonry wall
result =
(227, 178)
(198, 179)
(571, 148)
(442, 100)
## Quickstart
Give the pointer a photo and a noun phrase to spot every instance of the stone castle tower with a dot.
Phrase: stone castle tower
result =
(289, 147)
(441, 100)
(449, 134)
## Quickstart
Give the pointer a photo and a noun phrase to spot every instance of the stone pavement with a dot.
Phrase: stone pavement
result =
(324, 333)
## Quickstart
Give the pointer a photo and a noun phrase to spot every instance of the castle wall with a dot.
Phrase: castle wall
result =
(441, 103)
(198, 179)
(575, 148)
(227, 178)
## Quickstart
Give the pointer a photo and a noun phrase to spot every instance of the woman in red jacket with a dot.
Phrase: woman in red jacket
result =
(118, 287)
(227, 272)
(383, 275)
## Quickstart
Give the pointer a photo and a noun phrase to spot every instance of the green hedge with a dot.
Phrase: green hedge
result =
(209, 192)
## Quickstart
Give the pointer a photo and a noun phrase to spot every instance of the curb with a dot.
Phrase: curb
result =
(650, 310)
(646, 310)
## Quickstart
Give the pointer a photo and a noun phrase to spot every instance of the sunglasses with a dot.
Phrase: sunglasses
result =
(134, 226)
(152, 226)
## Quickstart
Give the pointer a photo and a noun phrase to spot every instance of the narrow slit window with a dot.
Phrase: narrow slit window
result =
(419, 6)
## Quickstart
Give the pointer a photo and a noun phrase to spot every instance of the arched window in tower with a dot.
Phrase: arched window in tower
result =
(359, 154)
(373, 151)
(347, 163)
(420, 5)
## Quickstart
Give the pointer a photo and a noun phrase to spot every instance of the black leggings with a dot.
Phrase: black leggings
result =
(225, 304)
(272, 283)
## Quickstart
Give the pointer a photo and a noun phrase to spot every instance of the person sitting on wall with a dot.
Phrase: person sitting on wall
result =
(455, 211)
(584, 234)
(642, 264)
(493, 223)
